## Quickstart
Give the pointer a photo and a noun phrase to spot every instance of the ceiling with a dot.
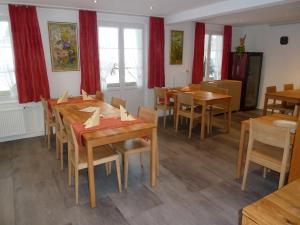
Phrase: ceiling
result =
(136, 7)
(280, 14)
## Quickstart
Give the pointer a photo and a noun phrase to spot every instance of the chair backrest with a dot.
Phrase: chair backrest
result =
(287, 87)
(58, 121)
(99, 95)
(208, 86)
(195, 86)
(184, 100)
(160, 95)
(269, 134)
(47, 113)
(220, 90)
(271, 89)
(148, 115)
(116, 102)
(72, 141)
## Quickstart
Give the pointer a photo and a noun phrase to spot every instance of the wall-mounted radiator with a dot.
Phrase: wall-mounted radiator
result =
(12, 122)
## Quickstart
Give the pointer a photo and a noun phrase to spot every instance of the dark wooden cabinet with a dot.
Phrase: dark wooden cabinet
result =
(246, 67)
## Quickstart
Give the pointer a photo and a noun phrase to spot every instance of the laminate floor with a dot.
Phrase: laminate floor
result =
(196, 185)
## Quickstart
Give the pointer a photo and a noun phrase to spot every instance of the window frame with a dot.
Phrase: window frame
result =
(121, 26)
(5, 96)
(207, 63)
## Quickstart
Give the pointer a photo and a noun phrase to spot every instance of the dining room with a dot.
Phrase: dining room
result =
(149, 112)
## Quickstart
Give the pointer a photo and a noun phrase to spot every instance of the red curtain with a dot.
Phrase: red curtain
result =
(156, 65)
(89, 55)
(226, 52)
(31, 73)
(198, 69)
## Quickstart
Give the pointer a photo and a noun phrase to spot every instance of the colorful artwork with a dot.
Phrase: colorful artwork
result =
(176, 47)
(63, 46)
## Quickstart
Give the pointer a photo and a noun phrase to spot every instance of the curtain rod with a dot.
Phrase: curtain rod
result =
(45, 6)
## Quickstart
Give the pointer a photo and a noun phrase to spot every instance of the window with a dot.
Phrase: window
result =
(213, 50)
(121, 55)
(7, 69)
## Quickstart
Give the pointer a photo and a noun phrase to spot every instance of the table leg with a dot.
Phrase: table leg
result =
(265, 105)
(203, 119)
(175, 110)
(240, 153)
(153, 160)
(229, 115)
(90, 159)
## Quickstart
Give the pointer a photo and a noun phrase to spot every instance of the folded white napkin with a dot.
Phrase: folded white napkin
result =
(89, 109)
(94, 120)
(85, 96)
(124, 114)
(63, 98)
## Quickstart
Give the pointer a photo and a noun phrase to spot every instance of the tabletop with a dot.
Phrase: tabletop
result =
(282, 207)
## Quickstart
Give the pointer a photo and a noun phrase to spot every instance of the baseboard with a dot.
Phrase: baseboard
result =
(17, 137)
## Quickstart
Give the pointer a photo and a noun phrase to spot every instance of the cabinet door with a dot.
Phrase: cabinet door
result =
(239, 64)
(252, 80)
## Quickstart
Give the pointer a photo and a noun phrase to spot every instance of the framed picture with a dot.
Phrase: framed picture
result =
(63, 46)
(176, 51)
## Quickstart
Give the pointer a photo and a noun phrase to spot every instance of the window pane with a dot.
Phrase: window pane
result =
(109, 54)
(133, 54)
(215, 57)
(7, 73)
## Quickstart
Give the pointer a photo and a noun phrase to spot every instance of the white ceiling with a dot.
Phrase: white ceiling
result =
(280, 14)
(136, 7)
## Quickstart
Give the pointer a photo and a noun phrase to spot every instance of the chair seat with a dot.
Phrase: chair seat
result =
(102, 155)
(278, 107)
(132, 146)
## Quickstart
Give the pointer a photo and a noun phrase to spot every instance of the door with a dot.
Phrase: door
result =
(121, 48)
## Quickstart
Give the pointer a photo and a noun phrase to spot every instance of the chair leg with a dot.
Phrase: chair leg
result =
(61, 155)
(141, 159)
(69, 173)
(245, 174)
(265, 173)
(118, 174)
(177, 120)
(165, 118)
(125, 171)
(45, 132)
(282, 175)
(108, 168)
(76, 185)
(57, 146)
(49, 137)
(190, 127)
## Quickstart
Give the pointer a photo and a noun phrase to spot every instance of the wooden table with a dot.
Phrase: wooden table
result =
(291, 96)
(205, 98)
(244, 133)
(93, 139)
(279, 208)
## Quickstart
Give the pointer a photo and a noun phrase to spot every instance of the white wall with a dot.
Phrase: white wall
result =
(281, 63)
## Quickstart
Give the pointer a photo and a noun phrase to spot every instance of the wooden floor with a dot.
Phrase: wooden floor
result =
(196, 184)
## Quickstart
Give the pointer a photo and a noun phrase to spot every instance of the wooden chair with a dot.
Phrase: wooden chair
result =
(195, 86)
(273, 105)
(217, 109)
(274, 154)
(77, 159)
(100, 95)
(162, 102)
(116, 102)
(138, 145)
(61, 137)
(49, 122)
(287, 105)
(186, 108)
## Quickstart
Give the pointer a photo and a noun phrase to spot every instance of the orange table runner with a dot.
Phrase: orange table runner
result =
(105, 123)
(78, 99)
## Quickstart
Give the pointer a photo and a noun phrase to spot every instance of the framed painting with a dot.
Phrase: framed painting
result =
(176, 51)
(63, 46)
